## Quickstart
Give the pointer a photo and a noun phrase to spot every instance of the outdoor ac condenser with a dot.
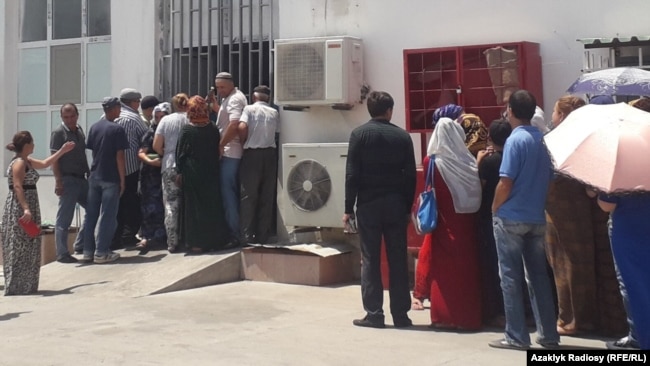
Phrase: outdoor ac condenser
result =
(313, 178)
(318, 71)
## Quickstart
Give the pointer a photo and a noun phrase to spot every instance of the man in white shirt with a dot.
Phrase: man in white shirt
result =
(228, 122)
(258, 127)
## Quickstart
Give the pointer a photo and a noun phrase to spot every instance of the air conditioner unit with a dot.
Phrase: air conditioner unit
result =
(313, 176)
(318, 71)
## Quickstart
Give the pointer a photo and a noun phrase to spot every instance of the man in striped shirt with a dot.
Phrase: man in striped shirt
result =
(128, 215)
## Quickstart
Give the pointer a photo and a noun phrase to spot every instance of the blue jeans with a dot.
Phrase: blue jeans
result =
(75, 190)
(101, 212)
(520, 248)
(626, 299)
(230, 193)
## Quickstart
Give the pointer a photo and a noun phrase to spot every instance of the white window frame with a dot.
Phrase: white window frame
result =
(83, 41)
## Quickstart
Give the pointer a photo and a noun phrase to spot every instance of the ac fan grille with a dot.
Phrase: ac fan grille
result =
(301, 71)
(309, 185)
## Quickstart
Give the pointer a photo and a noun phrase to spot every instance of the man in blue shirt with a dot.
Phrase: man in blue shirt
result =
(519, 227)
(108, 141)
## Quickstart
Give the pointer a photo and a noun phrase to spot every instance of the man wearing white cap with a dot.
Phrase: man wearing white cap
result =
(228, 123)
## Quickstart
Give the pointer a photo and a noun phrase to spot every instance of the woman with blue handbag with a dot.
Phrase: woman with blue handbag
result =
(447, 272)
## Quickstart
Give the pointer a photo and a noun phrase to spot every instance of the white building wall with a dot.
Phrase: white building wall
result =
(388, 27)
(134, 42)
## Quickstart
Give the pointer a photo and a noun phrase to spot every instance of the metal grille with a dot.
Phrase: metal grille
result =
(203, 37)
(302, 71)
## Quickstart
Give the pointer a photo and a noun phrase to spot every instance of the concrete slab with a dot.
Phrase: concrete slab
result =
(240, 323)
(136, 275)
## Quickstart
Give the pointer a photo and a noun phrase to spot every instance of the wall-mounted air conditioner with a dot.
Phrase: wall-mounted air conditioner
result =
(313, 178)
(318, 71)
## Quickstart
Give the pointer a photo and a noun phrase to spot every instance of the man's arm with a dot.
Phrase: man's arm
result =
(352, 168)
(501, 193)
(410, 176)
(243, 132)
(231, 132)
(121, 169)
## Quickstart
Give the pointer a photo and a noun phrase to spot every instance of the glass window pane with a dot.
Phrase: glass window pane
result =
(55, 122)
(99, 18)
(98, 71)
(65, 74)
(66, 19)
(36, 124)
(34, 20)
(32, 78)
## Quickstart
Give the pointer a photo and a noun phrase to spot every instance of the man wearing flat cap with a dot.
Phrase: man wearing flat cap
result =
(128, 216)
(228, 123)
(147, 105)
(108, 142)
(259, 124)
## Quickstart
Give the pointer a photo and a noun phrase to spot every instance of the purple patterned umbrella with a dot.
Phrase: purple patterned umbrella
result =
(616, 81)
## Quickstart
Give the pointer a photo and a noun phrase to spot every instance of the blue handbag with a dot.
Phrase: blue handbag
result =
(425, 215)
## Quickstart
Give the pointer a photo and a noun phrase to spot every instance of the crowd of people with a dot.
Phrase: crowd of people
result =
(163, 176)
(507, 225)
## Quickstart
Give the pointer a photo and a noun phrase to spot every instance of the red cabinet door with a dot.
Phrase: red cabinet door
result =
(479, 78)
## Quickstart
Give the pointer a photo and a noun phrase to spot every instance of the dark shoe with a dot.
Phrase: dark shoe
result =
(365, 322)
(402, 322)
(623, 344)
(67, 259)
(504, 344)
(549, 345)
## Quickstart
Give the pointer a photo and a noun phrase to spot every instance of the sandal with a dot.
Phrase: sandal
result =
(417, 304)
(566, 331)
(142, 245)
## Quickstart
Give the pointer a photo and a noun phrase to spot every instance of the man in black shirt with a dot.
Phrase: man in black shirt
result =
(489, 162)
(380, 178)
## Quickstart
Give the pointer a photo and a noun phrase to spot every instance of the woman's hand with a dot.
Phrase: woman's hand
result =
(67, 146)
(26, 217)
(179, 181)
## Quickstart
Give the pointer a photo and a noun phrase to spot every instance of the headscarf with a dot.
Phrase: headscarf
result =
(475, 132)
(450, 111)
(602, 99)
(456, 165)
(197, 110)
(163, 107)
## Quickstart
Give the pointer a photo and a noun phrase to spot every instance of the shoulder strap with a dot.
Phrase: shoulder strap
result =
(432, 164)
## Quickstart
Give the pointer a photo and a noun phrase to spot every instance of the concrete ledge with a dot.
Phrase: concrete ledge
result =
(136, 275)
(227, 269)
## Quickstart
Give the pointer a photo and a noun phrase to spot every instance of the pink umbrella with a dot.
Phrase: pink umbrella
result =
(605, 146)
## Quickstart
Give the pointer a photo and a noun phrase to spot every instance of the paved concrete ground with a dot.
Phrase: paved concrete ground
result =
(238, 323)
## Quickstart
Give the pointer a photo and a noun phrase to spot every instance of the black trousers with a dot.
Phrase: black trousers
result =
(384, 217)
(129, 216)
(257, 177)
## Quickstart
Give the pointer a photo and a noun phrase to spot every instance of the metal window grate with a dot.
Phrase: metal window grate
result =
(204, 37)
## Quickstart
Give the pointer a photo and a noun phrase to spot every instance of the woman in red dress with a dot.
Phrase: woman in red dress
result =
(447, 272)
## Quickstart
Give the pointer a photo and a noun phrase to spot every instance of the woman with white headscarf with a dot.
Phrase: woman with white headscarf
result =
(447, 272)
(151, 205)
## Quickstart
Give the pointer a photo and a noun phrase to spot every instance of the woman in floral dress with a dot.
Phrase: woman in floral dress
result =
(22, 253)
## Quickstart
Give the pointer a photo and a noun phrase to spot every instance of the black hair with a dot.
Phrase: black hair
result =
(522, 104)
(379, 103)
(500, 129)
(71, 105)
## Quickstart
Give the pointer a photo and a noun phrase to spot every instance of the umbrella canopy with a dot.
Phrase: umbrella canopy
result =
(616, 81)
(605, 146)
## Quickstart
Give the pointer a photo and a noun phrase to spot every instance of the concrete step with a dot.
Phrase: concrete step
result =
(136, 275)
